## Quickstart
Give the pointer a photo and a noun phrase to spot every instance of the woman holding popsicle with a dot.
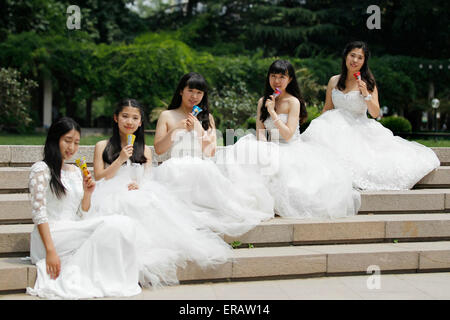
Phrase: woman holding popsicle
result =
(76, 256)
(304, 179)
(376, 159)
(192, 176)
(167, 233)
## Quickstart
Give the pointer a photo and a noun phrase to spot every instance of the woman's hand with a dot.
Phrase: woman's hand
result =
(88, 184)
(133, 186)
(193, 123)
(362, 87)
(270, 105)
(53, 264)
(126, 153)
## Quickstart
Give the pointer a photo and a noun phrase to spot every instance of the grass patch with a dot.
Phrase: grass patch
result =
(39, 139)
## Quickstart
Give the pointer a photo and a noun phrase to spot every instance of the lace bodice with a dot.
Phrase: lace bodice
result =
(185, 144)
(351, 101)
(273, 130)
(46, 207)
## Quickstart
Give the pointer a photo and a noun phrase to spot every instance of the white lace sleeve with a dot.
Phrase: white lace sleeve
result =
(38, 183)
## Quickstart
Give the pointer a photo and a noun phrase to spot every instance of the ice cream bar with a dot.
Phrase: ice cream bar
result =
(81, 163)
(277, 92)
(357, 75)
(130, 139)
(196, 110)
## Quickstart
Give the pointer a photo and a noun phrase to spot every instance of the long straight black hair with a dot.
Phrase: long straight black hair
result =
(113, 147)
(366, 74)
(283, 67)
(193, 80)
(52, 153)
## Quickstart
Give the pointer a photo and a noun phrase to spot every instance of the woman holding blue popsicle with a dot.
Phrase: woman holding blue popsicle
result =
(192, 176)
(303, 179)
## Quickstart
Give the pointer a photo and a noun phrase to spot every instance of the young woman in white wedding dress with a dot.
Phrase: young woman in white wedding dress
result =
(192, 176)
(168, 233)
(76, 257)
(376, 158)
(304, 179)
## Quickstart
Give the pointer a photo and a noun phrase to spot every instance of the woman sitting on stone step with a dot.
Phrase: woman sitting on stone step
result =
(169, 234)
(76, 257)
(376, 159)
(304, 179)
(192, 176)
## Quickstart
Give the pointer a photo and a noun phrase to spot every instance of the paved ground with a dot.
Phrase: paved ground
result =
(426, 286)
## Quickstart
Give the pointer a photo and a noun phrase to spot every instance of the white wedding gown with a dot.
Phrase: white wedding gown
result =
(168, 233)
(376, 159)
(303, 179)
(217, 202)
(98, 256)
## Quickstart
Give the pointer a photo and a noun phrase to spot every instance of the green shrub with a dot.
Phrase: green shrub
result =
(396, 124)
(313, 112)
(14, 101)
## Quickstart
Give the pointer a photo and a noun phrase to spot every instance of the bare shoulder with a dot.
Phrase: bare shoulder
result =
(260, 101)
(101, 145)
(334, 80)
(294, 103)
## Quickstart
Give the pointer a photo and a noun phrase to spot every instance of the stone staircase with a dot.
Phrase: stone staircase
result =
(395, 231)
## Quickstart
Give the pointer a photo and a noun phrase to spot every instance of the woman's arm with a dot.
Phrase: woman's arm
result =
(163, 135)
(328, 101)
(287, 130)
(38, 185)
(373, 105)
(100, 171)
(209, 139)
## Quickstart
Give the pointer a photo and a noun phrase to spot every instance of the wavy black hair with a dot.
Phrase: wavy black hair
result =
(52, 153)
(366, 74)
(283, 67)
(193, 80)
(113, 147)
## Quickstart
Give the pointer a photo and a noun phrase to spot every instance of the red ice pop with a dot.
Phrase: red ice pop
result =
(357, 75)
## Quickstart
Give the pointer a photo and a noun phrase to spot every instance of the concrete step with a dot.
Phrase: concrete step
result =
(405, 201)
(291, 261)
(15, 179)
(16, 208)
(22, 155)
(15, 238)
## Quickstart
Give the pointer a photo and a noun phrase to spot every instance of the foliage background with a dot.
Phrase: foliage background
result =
(127, 48)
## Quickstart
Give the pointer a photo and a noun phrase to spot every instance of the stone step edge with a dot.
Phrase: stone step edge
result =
(255, 263)
(14, 238)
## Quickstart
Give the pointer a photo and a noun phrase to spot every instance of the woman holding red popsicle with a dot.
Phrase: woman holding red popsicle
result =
(303, 179)
(376, 158)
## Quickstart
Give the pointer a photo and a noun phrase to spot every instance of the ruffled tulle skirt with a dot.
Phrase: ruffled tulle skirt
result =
(303, 179)
(168, 233)
(376, 159)
(218, 203)
(98, 259)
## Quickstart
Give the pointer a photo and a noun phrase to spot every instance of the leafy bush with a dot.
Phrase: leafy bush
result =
(396, 124)
(14, 101)
(313, 112)
(232, 106)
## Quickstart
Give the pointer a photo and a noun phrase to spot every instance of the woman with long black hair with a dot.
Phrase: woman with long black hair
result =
(76, 256)
(192, 175)
(376, 159)
(167, 231)
(303, 179)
